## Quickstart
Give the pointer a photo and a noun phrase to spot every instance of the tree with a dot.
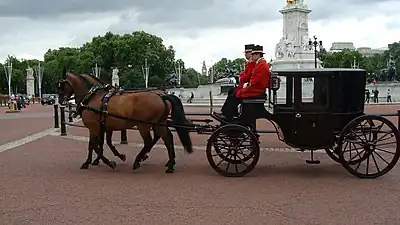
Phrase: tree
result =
(376, 66)
(128, 52)
(225, 67)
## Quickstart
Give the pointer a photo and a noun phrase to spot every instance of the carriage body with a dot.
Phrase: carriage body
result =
(319, 103)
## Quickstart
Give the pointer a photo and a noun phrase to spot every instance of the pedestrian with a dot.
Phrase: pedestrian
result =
(376, 95)
(367, 95)
(191, 97)
(389, 96)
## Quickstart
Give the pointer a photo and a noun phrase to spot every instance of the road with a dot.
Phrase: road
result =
(41, 183)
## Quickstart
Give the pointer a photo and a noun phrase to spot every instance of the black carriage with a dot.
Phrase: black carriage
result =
(315, 109)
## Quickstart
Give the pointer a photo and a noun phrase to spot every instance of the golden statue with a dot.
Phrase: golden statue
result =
(290, 2)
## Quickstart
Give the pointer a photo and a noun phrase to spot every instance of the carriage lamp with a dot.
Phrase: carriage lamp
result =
(275, 81)
(314, 45)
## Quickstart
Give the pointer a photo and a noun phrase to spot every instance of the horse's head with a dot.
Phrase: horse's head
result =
(71, 85)
(65, 91)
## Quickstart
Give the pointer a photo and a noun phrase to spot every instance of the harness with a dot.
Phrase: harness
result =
(110, 91)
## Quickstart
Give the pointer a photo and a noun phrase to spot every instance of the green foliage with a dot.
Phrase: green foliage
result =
(127, 52)
(376, 65)
(225, 66)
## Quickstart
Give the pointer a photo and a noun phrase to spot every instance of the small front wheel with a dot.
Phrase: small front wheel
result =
(233, 150)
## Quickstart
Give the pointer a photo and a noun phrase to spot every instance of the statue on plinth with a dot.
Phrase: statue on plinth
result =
(172, 80)
(115, 77)
(30, 82)
(29, 73)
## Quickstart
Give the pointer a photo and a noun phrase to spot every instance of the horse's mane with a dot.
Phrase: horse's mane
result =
(95, 78)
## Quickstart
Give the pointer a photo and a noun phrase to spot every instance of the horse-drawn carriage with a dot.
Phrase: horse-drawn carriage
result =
(331, 118)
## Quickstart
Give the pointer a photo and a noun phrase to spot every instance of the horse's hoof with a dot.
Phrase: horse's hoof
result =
(85, 166)
(136, 166)
(113, 165)
(95, 163)
(123, 157)
(145, 157)
(170, 170)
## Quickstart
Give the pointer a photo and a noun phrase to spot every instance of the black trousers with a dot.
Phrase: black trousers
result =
(230, 107)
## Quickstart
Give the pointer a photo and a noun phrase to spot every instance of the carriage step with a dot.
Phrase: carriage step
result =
(312, 160)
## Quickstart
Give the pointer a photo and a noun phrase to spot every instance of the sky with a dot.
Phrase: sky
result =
(199, 30)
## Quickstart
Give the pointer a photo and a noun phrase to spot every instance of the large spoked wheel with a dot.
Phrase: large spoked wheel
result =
(368, 146)
(233, 150)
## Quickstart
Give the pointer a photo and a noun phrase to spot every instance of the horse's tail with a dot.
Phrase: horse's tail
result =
(179, 118)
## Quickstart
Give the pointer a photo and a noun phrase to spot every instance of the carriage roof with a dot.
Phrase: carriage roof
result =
(322, 71)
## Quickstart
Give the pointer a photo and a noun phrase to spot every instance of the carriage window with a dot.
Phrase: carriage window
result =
(307, 89)
(285, 94)
(315, 90)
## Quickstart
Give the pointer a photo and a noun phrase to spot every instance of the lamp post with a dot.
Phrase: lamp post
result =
(314, 45)
(96, 71)
(39, 74)
(8, 71)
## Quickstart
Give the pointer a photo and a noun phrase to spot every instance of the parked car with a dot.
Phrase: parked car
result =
(51, 100)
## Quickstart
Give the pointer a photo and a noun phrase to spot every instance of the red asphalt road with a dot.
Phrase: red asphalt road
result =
(41, 183)
(33, 119)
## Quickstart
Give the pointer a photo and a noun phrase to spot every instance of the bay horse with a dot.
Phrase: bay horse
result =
(108, 133)
(145, 110)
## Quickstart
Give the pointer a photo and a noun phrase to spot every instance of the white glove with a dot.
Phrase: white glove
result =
(245, 85)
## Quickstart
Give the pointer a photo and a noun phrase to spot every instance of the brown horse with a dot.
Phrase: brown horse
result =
(96, 81)
(126, 110)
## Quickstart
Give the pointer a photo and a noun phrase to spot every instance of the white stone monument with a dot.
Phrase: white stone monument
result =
(30, 82)
(115, 77)
(293, 50)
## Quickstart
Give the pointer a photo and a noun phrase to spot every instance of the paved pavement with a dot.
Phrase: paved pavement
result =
(41, 183)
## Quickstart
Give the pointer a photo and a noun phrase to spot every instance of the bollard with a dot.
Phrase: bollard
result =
(211, 103)
(56, 123)
(398, 119)
(63, 125)
(124, 138)
(70, 118)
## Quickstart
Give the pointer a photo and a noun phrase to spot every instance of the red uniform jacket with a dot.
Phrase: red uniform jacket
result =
(259, 81)
(246, 74)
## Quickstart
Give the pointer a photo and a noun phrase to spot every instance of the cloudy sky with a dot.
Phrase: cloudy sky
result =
(198, 30)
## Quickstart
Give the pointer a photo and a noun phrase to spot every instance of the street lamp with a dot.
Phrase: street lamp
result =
(314, 45)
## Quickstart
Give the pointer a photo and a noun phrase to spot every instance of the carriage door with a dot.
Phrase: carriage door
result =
(312, 127)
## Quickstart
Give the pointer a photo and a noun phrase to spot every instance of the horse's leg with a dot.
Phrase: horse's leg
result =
(155, 140)
(96, 140)
(147, 140)
(112, 147)
(101, 146)
(88, 161)
(168, 139)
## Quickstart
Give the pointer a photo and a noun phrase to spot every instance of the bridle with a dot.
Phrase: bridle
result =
(81, 104)
(61, 85)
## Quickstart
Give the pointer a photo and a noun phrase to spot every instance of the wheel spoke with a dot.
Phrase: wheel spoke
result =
(381, 138)
(236, 165)
(376, 164)
(380, 157)
(383, 150)
(366, 169)
(389, 143)
(229, 163)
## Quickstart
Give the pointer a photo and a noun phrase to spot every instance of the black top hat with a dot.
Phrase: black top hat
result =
(248, 48)
(257, 49)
